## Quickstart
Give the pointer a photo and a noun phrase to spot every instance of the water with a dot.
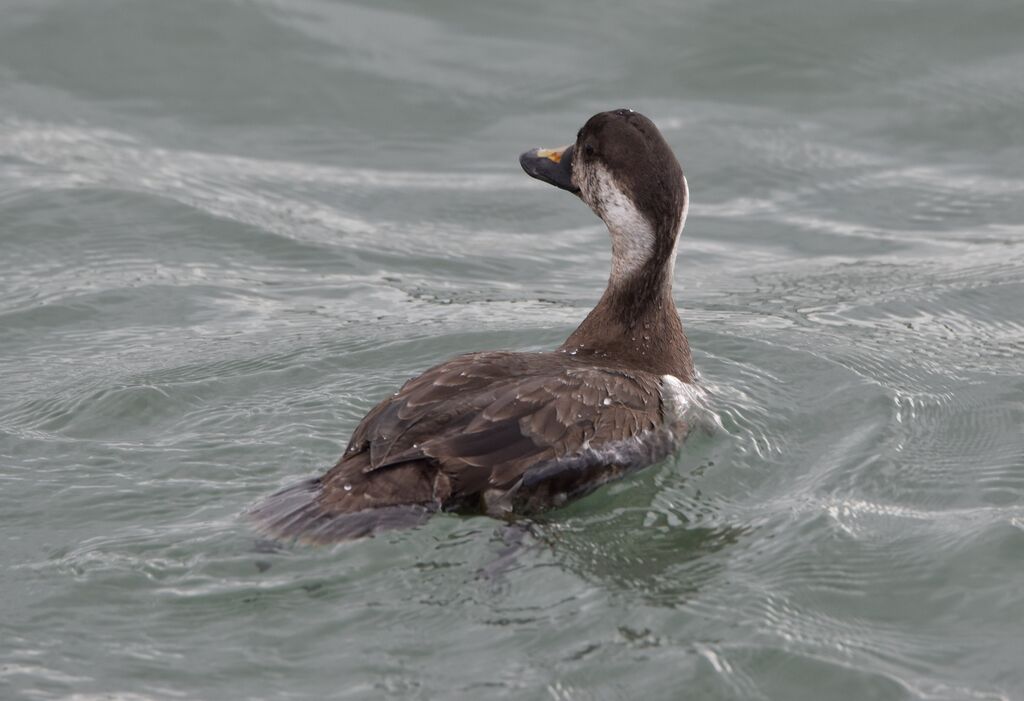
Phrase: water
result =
(228, 228)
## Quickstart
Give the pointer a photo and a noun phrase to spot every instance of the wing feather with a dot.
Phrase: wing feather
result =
(484, 419)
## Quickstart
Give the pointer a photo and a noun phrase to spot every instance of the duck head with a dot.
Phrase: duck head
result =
(621, 166)
(625, 171)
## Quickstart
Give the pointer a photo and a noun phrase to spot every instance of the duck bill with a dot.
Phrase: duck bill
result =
(552, 165)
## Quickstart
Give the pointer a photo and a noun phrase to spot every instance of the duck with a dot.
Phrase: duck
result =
(510, 434)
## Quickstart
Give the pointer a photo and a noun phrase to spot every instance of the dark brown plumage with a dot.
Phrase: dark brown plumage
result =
(501, 432)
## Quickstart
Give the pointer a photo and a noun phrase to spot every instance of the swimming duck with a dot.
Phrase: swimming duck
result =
(505, 433)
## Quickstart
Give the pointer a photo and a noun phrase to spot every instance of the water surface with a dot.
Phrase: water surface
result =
(227, 229)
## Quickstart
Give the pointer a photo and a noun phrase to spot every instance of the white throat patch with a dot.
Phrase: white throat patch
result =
(632, 235)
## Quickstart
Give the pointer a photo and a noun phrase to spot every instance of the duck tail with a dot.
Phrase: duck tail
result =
(297, 513)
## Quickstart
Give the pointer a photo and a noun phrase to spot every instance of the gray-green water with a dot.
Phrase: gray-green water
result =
(228, 228)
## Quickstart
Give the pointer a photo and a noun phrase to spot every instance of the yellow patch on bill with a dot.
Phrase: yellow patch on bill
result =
(552, 154)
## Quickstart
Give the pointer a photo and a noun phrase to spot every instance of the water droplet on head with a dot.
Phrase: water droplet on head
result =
(348, 487)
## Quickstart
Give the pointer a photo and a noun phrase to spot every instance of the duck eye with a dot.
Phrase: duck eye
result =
(588, 149)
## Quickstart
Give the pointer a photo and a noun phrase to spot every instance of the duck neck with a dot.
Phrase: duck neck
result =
(636, 323)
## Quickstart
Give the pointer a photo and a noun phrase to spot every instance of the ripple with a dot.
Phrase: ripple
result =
(229, 228)
(274, 196)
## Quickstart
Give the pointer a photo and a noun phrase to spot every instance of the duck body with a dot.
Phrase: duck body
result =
(506, 433)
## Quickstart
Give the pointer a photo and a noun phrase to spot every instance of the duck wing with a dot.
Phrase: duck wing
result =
(485, 418)
(472, 427)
